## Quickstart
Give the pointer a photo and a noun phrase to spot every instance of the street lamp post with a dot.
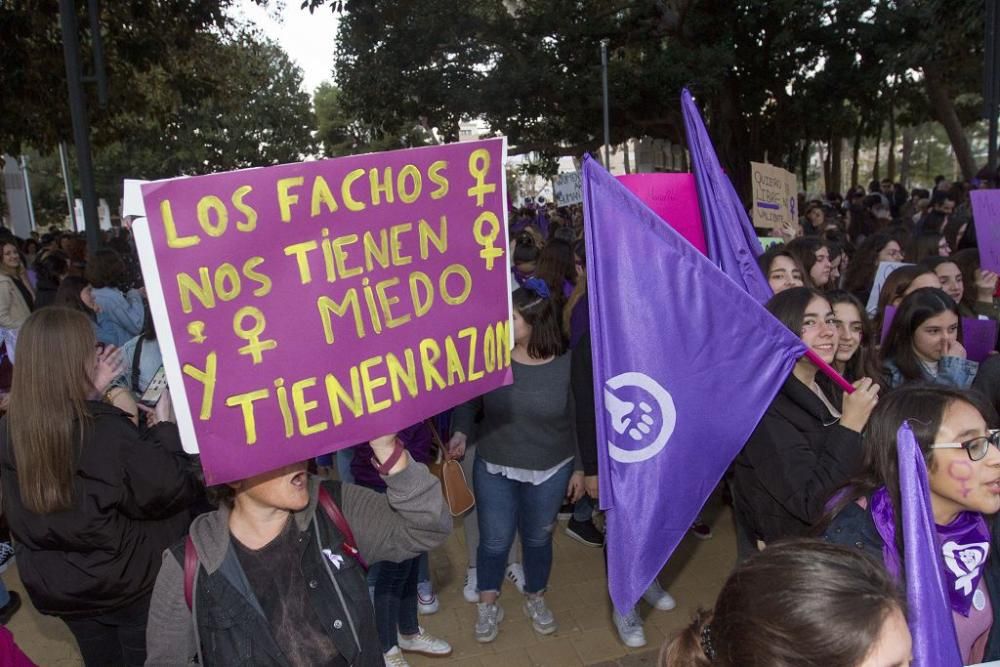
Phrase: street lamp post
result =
(607, 121)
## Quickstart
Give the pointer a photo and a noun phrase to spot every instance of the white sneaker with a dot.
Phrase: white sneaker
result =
(630, 629)
(427, 602)
(541, 616)
(470, 592)
(515, 575)
(488, 621)
(659, 598)
(394, 658)
(424, 644)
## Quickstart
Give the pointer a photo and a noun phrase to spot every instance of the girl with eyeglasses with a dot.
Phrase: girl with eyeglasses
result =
(808, 442)
(925, 342)
(879, 247)
(952, 429)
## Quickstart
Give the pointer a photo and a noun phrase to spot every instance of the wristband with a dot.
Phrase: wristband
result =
(384, 468)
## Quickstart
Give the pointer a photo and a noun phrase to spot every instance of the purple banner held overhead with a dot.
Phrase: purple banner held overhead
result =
(986, 214)
(659, 371)
(307, 307)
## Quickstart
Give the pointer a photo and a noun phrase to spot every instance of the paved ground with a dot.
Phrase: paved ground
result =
(577, 596)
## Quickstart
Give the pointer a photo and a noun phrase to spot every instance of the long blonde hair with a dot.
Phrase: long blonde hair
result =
(48, 404)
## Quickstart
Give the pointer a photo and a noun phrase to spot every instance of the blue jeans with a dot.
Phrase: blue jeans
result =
(4, 595)
(505, 507)
(395, 599)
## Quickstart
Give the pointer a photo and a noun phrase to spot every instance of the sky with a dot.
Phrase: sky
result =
(308, 39)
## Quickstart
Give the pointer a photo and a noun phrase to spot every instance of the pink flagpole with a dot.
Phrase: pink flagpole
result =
(830, 371)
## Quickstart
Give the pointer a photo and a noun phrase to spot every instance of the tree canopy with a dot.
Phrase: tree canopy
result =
(774, 76)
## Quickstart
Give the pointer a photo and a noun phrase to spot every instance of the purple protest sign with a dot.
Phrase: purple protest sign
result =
(978, 336)
(307, 307)
(986, 214)
(673, 197)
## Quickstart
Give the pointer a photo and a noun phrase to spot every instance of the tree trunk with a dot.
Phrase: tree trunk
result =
(891, 157)
(856, 153)
(825, 160)
(904, 163)
(836, 170)
(878, 149)
(944, 111)
(804, 164)
(627, 148)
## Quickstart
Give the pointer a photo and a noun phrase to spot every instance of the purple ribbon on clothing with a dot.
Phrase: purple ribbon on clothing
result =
(964, 545)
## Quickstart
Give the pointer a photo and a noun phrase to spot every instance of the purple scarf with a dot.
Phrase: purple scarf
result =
(965, 545)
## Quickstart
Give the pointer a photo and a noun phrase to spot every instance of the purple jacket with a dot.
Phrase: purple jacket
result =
(416, 439)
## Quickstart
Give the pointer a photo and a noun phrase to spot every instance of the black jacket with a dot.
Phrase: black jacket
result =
(231, 624)
(582, 381)
(795, 458)
(854, 526)
(132, 496)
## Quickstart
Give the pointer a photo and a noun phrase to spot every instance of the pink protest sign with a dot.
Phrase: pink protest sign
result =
(307, 307)
(986, 213)
(673, 197)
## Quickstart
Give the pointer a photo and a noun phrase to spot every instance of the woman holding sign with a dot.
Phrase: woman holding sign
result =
(952, 429)
(91, 502)
(525, 461)
(275, 576)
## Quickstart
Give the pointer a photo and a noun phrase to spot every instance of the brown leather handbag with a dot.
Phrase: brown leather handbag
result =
(456, 489)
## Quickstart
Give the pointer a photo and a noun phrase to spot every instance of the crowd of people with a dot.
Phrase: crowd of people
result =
(325, 562)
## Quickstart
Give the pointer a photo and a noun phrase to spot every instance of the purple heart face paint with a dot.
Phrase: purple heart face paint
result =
(956, 483)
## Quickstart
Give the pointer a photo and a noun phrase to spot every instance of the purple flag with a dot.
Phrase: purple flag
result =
(732, 242)
(930, 617)
(685, 364)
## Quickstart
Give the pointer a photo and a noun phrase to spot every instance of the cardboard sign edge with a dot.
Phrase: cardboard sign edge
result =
(161, 320)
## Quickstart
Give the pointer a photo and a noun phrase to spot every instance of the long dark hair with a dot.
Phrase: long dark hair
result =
(797, 603)
(968, 263)
(556, 266)
(68, 295)
(542, 314)
(766, 259)
(861, 271)
(790, 305)
(918, 307)
(865, 362)
(922, 405)
(895, 286)
(804, 249)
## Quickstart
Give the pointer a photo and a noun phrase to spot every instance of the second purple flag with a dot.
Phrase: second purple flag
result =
(685, 363)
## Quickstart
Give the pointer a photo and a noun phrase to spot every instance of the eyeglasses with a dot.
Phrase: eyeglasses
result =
(976, 448)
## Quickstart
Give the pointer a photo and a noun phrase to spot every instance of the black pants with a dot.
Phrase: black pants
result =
(114, 639)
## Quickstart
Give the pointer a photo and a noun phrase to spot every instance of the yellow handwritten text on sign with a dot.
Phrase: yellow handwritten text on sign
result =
(307, 307)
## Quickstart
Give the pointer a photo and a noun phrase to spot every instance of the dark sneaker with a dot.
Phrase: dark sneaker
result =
(7, 611)
(701, 530)
(565, 512)
(585, 532)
